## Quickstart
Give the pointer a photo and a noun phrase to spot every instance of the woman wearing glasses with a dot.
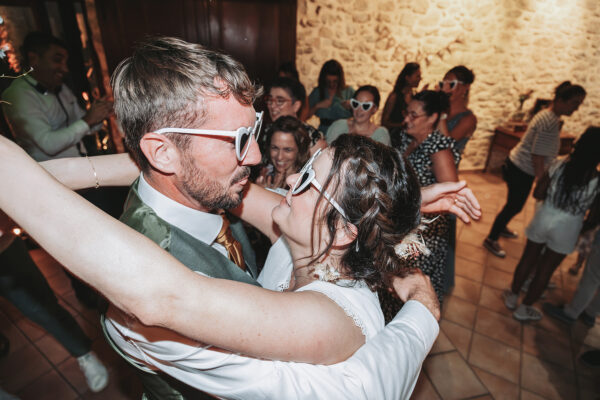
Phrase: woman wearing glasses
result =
(459, 125)
(344, 221)
(434, 159)
(365, 104)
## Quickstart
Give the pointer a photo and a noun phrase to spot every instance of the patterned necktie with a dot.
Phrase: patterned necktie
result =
(233, 247)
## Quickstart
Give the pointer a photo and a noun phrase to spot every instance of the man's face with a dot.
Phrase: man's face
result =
(212, 177)
(50, 67)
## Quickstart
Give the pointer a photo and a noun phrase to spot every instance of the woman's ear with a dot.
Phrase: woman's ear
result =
(296, 105)
(162, 154)
(432, 118)
(345, 234)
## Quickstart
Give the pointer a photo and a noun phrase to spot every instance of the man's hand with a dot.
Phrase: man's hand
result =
(453, 197)
(417, 286)
(98, 112)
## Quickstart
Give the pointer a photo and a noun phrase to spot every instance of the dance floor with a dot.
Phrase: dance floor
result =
(481, 353)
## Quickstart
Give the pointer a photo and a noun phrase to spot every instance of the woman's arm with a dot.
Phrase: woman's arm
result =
(443, 166)
(452, 197)
(82, 173)
(256, 209)
(142, 279)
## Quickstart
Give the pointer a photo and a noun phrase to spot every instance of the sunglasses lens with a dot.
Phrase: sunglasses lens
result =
(366, 106)
(354, 104)
(441, 84)
(452, 84)
(301, 183)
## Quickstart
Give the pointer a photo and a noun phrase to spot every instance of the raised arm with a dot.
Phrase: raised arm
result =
(82, 173)
(302, 326)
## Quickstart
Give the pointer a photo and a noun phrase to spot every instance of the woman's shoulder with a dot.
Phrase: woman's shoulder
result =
(382, 135)
(347, 92)
(336, 129)
(356, 300)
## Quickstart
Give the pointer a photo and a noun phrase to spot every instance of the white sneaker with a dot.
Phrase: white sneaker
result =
(510, 299)
(527, 313)
(95, 373)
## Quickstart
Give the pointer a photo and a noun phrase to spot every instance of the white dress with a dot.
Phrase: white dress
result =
(234, 376)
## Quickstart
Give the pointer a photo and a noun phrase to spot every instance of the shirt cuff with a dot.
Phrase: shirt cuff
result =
(420, 318)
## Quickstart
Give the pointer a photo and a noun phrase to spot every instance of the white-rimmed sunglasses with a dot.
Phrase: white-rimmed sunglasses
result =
(242, 135)
(365, 105)
(307, 176)
(450, 84)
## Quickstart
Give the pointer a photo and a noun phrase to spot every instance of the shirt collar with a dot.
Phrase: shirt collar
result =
(199, 224)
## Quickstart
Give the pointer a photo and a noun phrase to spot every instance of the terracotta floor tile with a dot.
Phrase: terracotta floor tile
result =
(513, 247)
(469, 269)
(91, 331)
(506, 264)
(471, 252)
(123, 384)
(10, 311)
(52, 349)
(424, 390)
(499, 388)
(49, 386)
(452, 377)
(32, 330)
(466, 289)
(47, 265)
(491, 298)
(548, 346)
(14, 335)
(21, 368)
(496, 278)
(459, 336)
(550, 324)
(495, 357)
(60, 284)
(460, 311)
(70, 371)
(502, 328)
(442, 344)
(471, 236)
(546, 379)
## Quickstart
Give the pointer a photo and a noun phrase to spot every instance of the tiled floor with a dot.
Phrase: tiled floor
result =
(481, 353)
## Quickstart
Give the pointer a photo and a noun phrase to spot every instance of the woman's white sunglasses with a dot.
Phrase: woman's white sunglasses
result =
(242, 135)
(365, 105)
(451, 84)
(306, 176)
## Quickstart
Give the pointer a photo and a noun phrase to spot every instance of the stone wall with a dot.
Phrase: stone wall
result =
(511, 45)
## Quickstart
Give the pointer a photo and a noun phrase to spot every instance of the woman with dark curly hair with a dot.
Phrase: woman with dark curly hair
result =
(288, 148)
(434, 158)
(344, 221)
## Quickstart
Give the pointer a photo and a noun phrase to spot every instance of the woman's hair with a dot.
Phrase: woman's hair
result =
(370, 89)
(294, 127)
(463, 74)
(289, 69)
(433, 102)
(381, 196)
(293, 88)
(331, 67)
(409, 69)
(400, 103)
(566, 91)
(579, 169)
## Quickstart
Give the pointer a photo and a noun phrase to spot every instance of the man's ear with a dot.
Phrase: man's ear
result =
(33, 58)
(162, 154)
(345, 234)
(296, 106)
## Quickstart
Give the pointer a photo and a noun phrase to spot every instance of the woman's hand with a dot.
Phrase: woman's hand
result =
(453, 197)
(324, 103)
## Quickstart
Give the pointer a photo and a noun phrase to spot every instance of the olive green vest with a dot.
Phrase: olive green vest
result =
(193, 253)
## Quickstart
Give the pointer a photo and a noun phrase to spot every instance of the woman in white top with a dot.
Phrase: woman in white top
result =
(530, 158)
(365, 104)
(347, 211)
(569, 189)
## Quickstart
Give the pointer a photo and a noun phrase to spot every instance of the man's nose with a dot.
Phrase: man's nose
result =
(253, 156)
